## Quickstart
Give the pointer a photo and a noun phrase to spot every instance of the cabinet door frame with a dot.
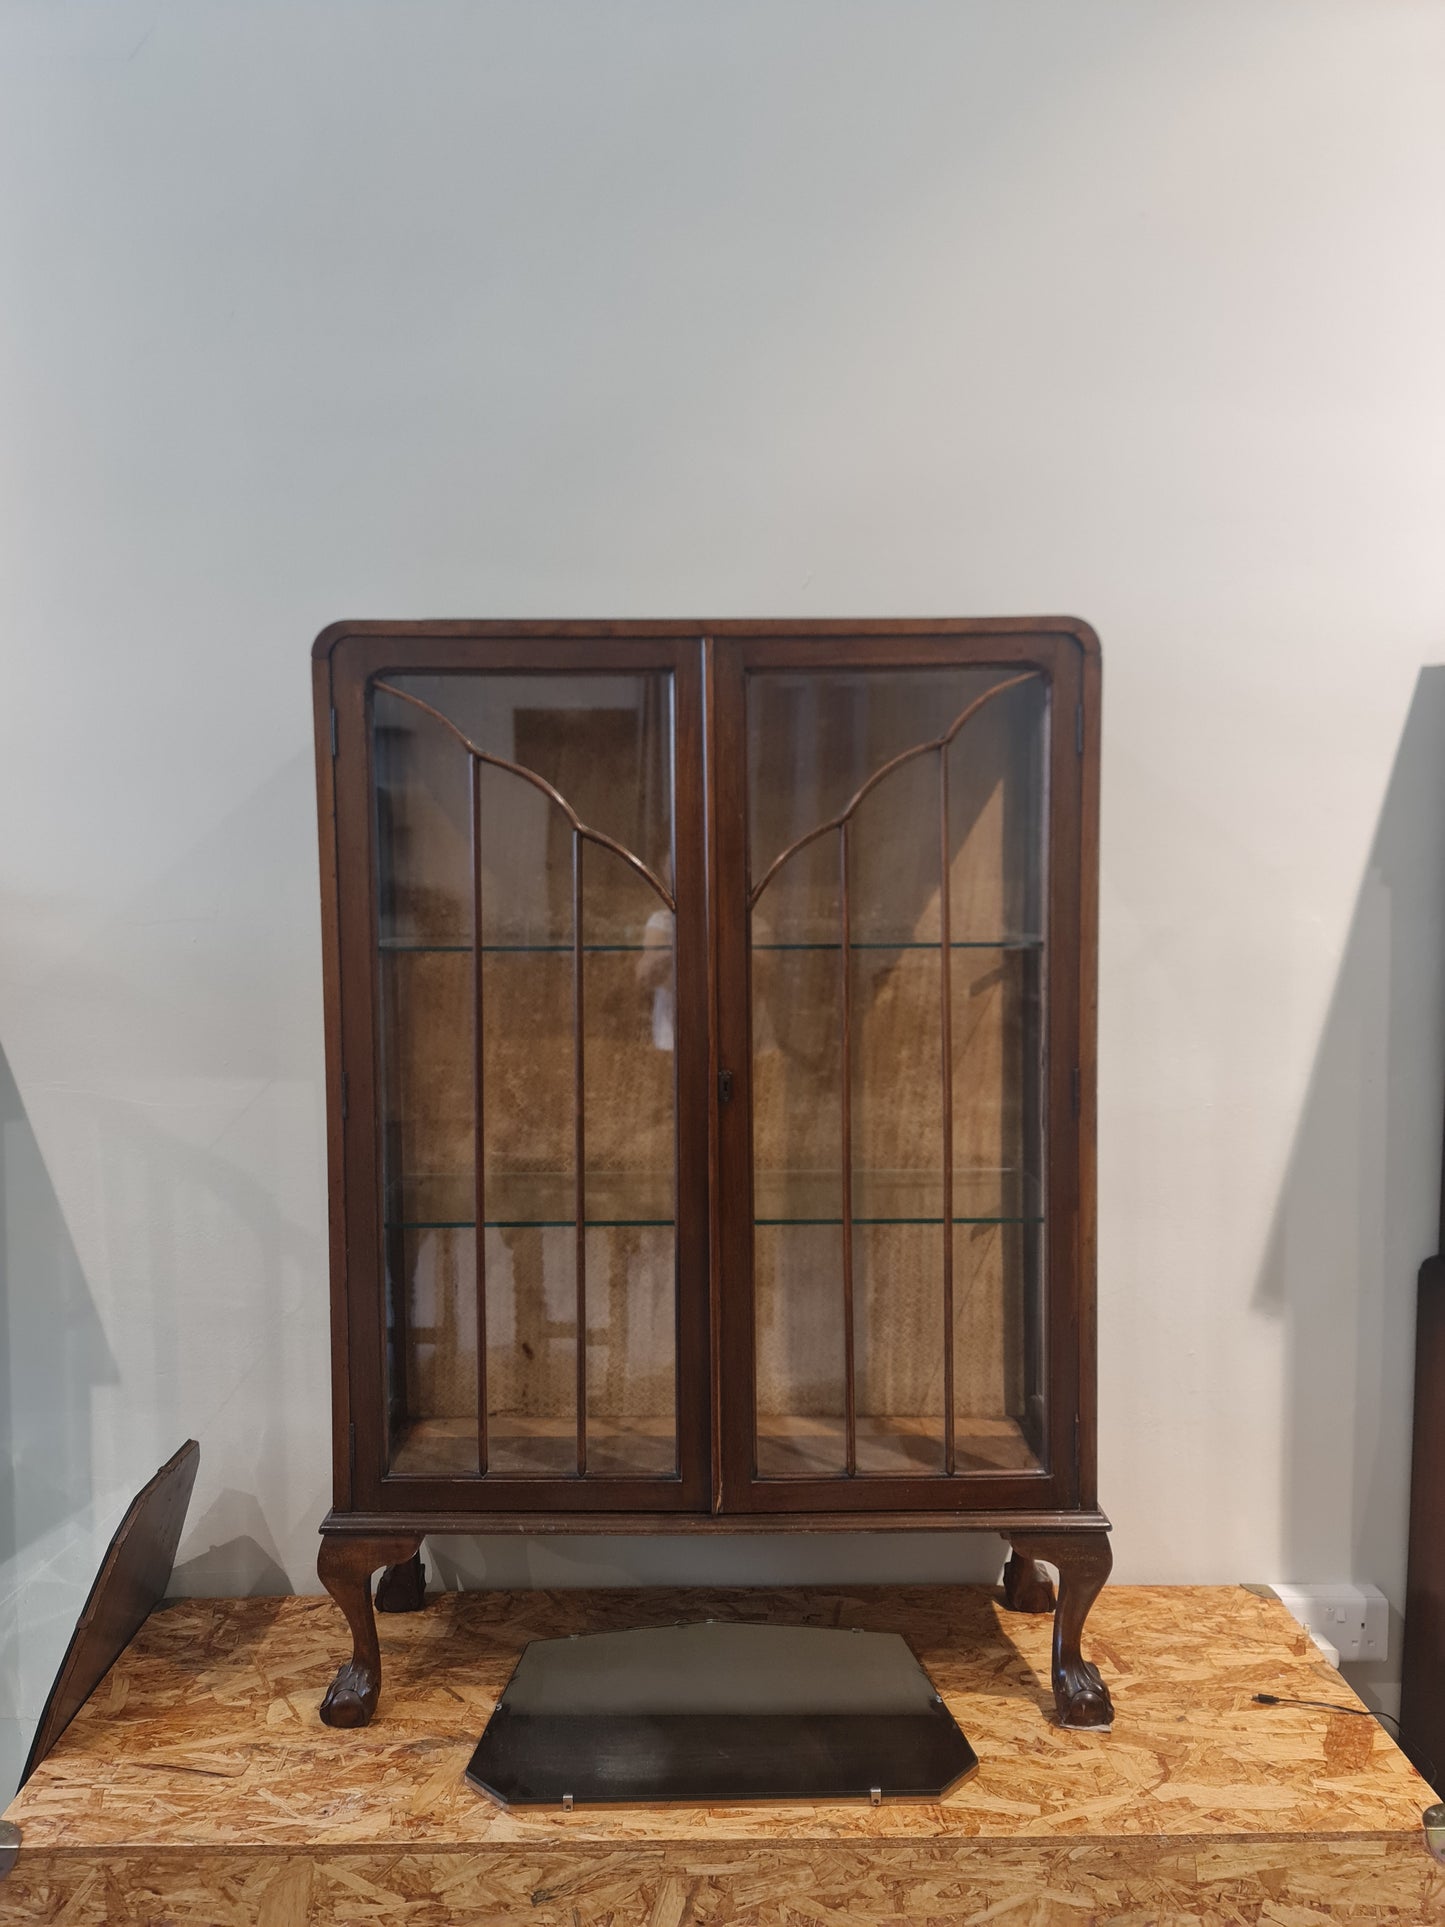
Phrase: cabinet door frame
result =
(351, 657)
(1066, 653)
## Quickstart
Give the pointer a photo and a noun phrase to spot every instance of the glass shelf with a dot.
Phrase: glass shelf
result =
(529, 1447)
(535, 1200)
(391, 946)
(911, 943)
(546, 1200)
(896, 1197)
(789, 1446)
(520, 1224)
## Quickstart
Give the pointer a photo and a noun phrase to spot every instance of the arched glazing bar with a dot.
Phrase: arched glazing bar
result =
(936, 746)
(582, 833)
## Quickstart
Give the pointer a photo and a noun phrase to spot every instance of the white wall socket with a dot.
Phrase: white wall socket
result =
(1350, 1620)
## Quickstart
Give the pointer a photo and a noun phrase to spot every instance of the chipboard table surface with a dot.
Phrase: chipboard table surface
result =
(199, 1787)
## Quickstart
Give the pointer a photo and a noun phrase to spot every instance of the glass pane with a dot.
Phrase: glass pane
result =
(897, 961)
(501, 925)
(897, 1120)
(629, 1160)
(532, 1349)
(893, 859)
(631, 1352)
(434, 1269)
(429, 1138)
(798, 1281)
(997, 792)
(898, 1319)
(998, 1404)
(998, 1183)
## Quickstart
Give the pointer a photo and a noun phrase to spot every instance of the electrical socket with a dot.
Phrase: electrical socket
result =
(1347, 1619)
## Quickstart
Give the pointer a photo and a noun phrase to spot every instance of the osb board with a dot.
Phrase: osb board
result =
(199, 1786)
(1369, 1884)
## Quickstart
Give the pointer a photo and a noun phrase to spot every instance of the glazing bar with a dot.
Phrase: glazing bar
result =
(479, 1159)
(945, 954)
(579, 1150)
(850, 1405)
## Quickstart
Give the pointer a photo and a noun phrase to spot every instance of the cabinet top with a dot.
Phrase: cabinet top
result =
(790, 626)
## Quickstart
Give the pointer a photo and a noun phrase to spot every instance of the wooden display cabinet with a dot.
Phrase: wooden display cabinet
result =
(710, 1025)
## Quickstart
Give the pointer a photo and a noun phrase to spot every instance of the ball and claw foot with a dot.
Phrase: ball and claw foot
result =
(351, 1697)
(1082, 1560)
(345, 1566)
(1081, 1697)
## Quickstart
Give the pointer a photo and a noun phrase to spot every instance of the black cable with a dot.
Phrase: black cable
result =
(1424, 1766)
(1325, 1706)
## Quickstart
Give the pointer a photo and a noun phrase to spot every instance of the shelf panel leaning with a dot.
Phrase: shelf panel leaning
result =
(130, 1583)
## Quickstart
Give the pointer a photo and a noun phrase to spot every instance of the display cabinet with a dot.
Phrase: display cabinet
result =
(710, 1019)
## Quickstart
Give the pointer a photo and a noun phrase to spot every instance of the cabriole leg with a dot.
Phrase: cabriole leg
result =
(402, 1589)
(345, 1566)
(1027, 1588)
(1083, 1560)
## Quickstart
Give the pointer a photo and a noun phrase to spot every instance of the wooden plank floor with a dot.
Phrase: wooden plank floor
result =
(199, 1787)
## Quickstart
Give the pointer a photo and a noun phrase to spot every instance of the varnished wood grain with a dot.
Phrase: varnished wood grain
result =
(709, 1524)
(344, 1566)
(899, 1291)
(199, 1786)
(132, 1577)
(976, 1303)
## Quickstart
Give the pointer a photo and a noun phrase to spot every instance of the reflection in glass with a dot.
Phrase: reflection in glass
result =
(526, 938)
(897, 884)
(714, 1713)
(801, 1369)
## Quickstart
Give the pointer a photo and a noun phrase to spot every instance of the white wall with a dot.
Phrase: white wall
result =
(1128, 308)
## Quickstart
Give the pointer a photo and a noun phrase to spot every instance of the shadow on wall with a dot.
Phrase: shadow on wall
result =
(176, 1052)
(517, 1563)
(237, 1561)
(1359, 1208)
(53, 1353)
(181, 1076)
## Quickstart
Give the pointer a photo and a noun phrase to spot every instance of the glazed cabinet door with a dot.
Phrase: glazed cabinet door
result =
(899, 974)
(522, 942)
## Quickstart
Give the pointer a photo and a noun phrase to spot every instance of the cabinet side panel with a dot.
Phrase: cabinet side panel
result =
(1068, 1318)
(1091, 713)
(335, 1146)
